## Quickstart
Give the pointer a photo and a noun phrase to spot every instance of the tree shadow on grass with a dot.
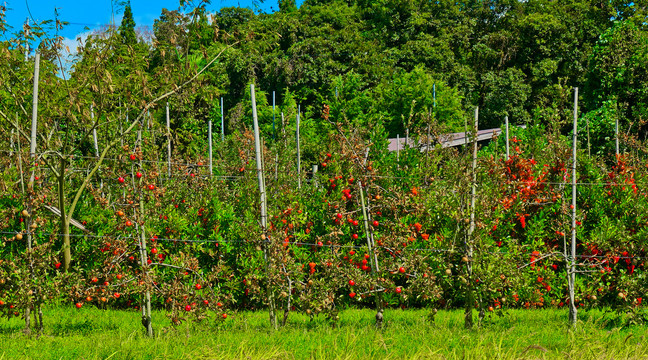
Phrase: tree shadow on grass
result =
(8, 329)
(80, 327)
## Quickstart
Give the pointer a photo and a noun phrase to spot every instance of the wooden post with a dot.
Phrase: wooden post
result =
(508, 154)
(222, 121)
(273, 115)
(573, 315)
(298, 153)
(168, 124)
(263, 200)
(469, 243)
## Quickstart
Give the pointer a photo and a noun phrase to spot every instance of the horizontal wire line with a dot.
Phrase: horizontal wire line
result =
(392, 250)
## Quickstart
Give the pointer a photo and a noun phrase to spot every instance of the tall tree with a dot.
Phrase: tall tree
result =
(127, 28)
(287, 5)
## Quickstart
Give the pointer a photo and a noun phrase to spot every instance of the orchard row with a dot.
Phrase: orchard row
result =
(365, 229)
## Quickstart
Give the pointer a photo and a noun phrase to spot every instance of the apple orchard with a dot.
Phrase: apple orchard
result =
(192, 240)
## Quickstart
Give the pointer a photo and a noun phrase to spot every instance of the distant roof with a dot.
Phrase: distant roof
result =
(447, 140)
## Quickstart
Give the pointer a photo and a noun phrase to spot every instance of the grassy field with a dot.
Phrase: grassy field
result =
(408, 334)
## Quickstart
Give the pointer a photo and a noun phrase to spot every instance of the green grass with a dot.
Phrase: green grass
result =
(527, 334)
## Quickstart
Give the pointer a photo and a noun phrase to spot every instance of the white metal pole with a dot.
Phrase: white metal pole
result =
(469, 243)
(222, 121)
(257, 145)
(397, 148)
(298, 153)
(94, 132)
(508, 155)
(264, 215)
(34, 124)
(209, 136)
(616, 136)
(168, 124)
(573, 316)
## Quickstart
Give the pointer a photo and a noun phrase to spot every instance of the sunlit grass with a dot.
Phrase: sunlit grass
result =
(407, 334)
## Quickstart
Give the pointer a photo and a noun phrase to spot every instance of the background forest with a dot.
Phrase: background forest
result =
(381, 59)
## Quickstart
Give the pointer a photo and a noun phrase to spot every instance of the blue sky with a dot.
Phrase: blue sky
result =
(95, 13)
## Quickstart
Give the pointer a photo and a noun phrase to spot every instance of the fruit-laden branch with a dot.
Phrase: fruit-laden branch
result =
(66, 216)
(132, 126)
